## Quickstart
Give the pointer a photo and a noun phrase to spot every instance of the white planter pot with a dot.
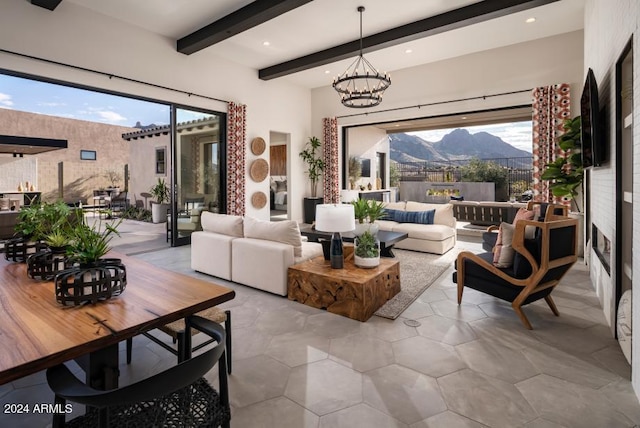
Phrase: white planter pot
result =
(580, 217)
(366, 263)
(363, 227)
(159, 212)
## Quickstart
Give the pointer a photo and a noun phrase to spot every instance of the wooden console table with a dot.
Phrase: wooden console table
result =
(351, 292)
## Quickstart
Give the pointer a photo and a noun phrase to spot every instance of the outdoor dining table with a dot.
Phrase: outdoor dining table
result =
(37, 332)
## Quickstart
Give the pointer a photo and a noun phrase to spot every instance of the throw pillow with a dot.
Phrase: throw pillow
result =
(525, 214)
(281, 186)
(224, 224)
(503, 252)
(286, 232)
(388, 214)
(418, 217)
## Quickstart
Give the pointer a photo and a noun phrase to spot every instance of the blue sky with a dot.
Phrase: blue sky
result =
(57, 100)
(518, 134)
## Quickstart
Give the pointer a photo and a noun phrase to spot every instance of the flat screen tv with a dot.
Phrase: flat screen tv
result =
(593, 148)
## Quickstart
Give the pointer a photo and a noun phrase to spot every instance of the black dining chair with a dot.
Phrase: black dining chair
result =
(176, 397)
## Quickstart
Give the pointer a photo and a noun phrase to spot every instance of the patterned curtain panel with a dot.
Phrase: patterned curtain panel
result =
(551, 106)
(236, 136)
(331, 187)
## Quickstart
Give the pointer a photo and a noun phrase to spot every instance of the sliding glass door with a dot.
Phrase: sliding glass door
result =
(199, 170)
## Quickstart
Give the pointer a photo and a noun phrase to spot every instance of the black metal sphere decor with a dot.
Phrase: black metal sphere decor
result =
(101, 280)
(361, 85)
(46, 264)
(19, 248)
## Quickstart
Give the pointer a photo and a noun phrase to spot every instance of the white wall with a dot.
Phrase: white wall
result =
(365, 142)
(608, 27)
(75, 35)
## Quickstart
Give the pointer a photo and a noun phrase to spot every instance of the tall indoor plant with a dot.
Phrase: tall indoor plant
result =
(315, 165)
(566, 173)
(160, 192)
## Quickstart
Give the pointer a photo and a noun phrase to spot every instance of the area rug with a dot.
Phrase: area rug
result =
(417, 272)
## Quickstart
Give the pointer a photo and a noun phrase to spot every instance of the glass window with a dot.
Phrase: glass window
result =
(88, 155)
(161, 164)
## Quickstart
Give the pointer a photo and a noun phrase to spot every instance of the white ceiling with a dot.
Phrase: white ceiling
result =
(322, 24)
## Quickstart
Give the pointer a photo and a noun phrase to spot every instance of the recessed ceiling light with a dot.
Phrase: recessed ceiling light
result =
(530, 20)
(464, 117)
(408, 51)
(266, 43)
(396, 125)
(327, 71)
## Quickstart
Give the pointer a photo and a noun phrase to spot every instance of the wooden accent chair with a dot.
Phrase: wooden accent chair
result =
(539, 265)
(545, 212)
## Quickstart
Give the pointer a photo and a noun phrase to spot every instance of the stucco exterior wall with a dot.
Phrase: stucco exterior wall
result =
(80, 177)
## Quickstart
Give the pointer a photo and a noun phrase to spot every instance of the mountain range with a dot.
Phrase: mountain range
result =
(457, 145)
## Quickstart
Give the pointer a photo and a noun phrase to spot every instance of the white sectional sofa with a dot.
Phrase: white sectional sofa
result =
(249, 251)
(437, 238)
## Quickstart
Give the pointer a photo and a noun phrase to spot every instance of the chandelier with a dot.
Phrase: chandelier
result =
(361, 85)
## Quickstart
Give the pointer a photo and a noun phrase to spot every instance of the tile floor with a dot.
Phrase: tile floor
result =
(472, 365)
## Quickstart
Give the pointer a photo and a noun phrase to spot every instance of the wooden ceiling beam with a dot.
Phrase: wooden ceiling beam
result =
(252, 15)
(447, 21)
(47, 4)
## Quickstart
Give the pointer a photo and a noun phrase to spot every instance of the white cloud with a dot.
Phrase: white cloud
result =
(111, 116)
(5, 100)
(45, 104)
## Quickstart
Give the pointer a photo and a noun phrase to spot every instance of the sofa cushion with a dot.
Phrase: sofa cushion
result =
(224, 224)
(443, 215)
(286, 232)
(432, 232)
(396, 205)
(418, 217)
(309, 251)
(387, 225)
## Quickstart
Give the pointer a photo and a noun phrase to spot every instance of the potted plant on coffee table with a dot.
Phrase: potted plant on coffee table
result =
(159, 207)
(367, 251)
(366, 212)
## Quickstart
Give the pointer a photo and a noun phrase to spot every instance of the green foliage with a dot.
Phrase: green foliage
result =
(366, 246)
(89, 244)
(160, 191)
(566, 172)
(58, 238)
(315, 164)
(367, 210)
(136, 213)
(478, 170)
(38, 220)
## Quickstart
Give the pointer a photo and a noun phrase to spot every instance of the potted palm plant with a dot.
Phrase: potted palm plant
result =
(159, 207)
(315, 165)
(367, 251)
(366, 212)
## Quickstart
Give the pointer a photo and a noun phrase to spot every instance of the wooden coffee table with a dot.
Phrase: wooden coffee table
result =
(351, 292)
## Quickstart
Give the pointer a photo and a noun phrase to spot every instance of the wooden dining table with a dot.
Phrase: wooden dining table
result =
(37, 332)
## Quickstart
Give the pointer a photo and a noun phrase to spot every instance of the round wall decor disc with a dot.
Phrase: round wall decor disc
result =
(257, 146)
(259, 170)
(258, 200)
